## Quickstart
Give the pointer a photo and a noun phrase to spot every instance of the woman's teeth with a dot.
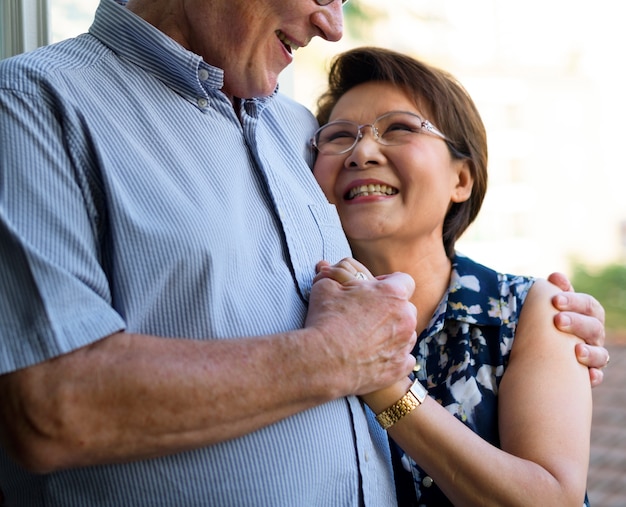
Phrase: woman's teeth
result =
(365, 190)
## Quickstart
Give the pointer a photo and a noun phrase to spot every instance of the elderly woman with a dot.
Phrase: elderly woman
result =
(500, 411)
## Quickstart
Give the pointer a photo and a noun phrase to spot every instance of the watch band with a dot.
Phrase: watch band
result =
(409, 402)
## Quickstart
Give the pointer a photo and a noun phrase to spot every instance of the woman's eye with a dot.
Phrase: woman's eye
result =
(397, 131)
(400, 127)
(338, 135)
(344, 133)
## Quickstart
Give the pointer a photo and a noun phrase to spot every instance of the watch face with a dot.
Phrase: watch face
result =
(419, 391)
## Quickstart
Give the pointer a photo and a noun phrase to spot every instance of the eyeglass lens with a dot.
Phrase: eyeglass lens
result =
(327, 2)
(389, 129)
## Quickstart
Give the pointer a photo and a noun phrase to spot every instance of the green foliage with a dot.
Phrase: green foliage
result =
(358, 19)
(607, 285)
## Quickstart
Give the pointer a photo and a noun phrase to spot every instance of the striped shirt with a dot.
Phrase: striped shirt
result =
(132, 197)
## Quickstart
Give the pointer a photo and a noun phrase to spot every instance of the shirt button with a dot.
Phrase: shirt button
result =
(427, 481)
(366, 455)
(203, 74)
(202, 102)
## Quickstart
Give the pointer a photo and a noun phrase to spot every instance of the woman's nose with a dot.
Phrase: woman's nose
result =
(366, 151)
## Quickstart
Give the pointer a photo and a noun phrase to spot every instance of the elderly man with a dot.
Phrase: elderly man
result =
(160, 339)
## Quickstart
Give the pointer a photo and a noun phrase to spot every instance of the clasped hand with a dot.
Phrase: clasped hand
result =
(367, 326)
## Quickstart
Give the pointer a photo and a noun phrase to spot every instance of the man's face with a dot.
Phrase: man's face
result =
(253, 41)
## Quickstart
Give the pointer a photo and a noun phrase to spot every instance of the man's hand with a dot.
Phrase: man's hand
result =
(583, 316)
(366, 325)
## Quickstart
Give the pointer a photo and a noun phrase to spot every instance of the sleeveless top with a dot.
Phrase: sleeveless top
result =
(462, 355)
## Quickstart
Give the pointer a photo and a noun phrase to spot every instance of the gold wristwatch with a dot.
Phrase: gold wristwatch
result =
(409, 402)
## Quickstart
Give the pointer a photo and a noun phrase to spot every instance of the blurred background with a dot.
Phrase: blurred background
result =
(548, 77)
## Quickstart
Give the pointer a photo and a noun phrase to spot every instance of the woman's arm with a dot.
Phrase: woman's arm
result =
(545, 423)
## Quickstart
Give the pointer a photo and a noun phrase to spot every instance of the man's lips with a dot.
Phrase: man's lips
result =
(287, 42)
(370, 189)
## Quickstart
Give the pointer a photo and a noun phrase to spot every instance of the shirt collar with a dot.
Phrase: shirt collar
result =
(140, 43)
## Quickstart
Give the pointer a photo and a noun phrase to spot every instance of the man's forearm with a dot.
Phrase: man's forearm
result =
(131, 397)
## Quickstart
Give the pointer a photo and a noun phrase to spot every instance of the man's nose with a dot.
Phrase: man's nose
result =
(329, 20)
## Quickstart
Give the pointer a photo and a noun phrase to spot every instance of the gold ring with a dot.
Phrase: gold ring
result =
(608, 359)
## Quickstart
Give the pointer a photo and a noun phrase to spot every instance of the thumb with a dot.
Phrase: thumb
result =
(401, 282)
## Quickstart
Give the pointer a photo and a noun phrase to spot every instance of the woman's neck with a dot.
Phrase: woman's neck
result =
(429, 267)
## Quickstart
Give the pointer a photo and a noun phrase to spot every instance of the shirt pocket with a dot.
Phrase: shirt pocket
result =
(334, 243)
(319, 237)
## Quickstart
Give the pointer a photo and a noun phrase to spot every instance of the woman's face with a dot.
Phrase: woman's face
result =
(403, 191)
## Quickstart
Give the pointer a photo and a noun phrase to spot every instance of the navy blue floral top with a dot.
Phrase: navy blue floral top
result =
(462, 356)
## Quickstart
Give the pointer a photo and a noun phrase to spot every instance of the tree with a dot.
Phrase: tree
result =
(607, 285)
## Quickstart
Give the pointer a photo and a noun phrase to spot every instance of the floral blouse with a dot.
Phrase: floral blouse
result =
(462, 356)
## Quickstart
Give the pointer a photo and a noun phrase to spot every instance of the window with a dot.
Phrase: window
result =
(24, 26)
(28, 24)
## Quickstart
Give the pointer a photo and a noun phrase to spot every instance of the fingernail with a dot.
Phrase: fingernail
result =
(561, 300)
(566, 321)
(583, 351)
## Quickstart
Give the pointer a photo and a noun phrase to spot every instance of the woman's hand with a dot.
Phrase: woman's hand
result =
(345, 271)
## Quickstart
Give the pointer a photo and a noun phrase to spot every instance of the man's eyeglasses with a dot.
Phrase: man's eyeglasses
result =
(327, 2)
(390, 129)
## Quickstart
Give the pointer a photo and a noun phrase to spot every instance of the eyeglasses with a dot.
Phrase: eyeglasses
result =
(327, 2)
(390, 129)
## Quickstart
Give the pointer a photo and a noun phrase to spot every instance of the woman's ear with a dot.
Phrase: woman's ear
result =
(465, 181)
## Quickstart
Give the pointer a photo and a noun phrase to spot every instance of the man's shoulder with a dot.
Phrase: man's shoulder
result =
(51, 62)
(285, 101)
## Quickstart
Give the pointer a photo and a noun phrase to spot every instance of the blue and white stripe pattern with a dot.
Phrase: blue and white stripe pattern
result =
(132, 197)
